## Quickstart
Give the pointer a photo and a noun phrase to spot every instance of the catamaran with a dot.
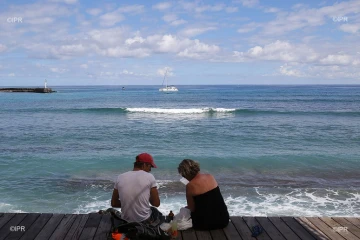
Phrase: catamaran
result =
(167, 88)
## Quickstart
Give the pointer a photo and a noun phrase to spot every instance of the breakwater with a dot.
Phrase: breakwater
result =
(34, 90)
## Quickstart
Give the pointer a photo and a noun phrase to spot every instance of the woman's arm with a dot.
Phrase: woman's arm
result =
(189, 198)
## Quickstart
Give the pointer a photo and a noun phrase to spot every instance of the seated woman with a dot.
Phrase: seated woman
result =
(204, 199)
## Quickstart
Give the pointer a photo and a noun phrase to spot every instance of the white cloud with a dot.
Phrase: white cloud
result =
(162, 6)
(84, 66)
(136, 9)
(58, 70)
(126, 72)
(37, 13)
(249, 3)
(11, 74)
(110, 19)
(350, 28)
(272, 10)
(280, 51)
(178, 22)
(248, 27)
(302, 17)
(108, 37)
(69, 50)
(288, 71)
(191, 32)
(173, 19)
(122, 51)
(65, 1)
(333, 72)
(183, 47)
(94, 11)
(199, 50)
(214, 8)
(337, 60)
(131, 41)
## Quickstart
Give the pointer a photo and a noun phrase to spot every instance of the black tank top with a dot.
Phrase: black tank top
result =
(210, 211)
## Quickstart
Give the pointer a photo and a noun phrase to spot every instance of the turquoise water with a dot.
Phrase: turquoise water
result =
(275, 150)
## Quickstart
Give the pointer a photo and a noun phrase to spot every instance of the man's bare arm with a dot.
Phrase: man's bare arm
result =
(154, 197)
(115, 202)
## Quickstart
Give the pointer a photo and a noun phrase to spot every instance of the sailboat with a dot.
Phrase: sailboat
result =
(167, 88)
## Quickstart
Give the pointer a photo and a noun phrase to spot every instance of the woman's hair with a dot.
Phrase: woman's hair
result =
(188, 168)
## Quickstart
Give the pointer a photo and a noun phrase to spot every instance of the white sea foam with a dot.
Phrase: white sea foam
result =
(294, 202)
(6, 207)
(180, 110)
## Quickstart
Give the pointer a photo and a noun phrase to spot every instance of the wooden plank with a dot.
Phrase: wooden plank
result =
(36, 227)
(203, 235)
(91, 226)
(5, 218)
(336, 227)
(328, 231)
(283, 228)
(50, 227)
(26, 223)
(218, 234)
(77, 227)
(63, 227)
(14, 221)
(251, 222)
(242, 228)
(311, 228)
(350, 227)
(231, 232)
(271, 230)
(189, 234)
(298, 229)
(354, 221)
(104, 228)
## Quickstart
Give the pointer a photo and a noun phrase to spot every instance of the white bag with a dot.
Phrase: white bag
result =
(183, 219)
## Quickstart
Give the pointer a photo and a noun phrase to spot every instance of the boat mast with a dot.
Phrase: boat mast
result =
(166, 79)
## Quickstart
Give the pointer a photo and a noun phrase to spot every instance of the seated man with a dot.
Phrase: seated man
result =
(204, 199)
(134, 190)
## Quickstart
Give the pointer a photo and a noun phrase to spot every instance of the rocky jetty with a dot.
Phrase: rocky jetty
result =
(33, 90)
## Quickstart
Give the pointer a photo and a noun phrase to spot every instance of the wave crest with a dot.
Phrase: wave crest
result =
(181, 110)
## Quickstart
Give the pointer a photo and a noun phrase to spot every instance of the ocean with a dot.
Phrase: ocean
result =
(274, 150)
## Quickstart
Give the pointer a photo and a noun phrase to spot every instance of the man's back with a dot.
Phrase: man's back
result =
(134, 193)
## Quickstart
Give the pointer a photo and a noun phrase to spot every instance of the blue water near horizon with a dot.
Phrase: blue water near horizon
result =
(274, 150)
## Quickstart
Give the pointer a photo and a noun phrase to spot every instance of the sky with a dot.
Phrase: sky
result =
(83, 42)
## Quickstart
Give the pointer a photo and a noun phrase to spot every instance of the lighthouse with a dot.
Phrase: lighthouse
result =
(45, 84)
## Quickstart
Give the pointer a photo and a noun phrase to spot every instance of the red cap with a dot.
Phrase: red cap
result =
(146, 158)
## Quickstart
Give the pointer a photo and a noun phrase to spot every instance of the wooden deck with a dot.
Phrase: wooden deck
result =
(26, 226)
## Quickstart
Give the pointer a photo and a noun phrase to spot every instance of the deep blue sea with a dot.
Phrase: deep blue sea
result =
(274, 150)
